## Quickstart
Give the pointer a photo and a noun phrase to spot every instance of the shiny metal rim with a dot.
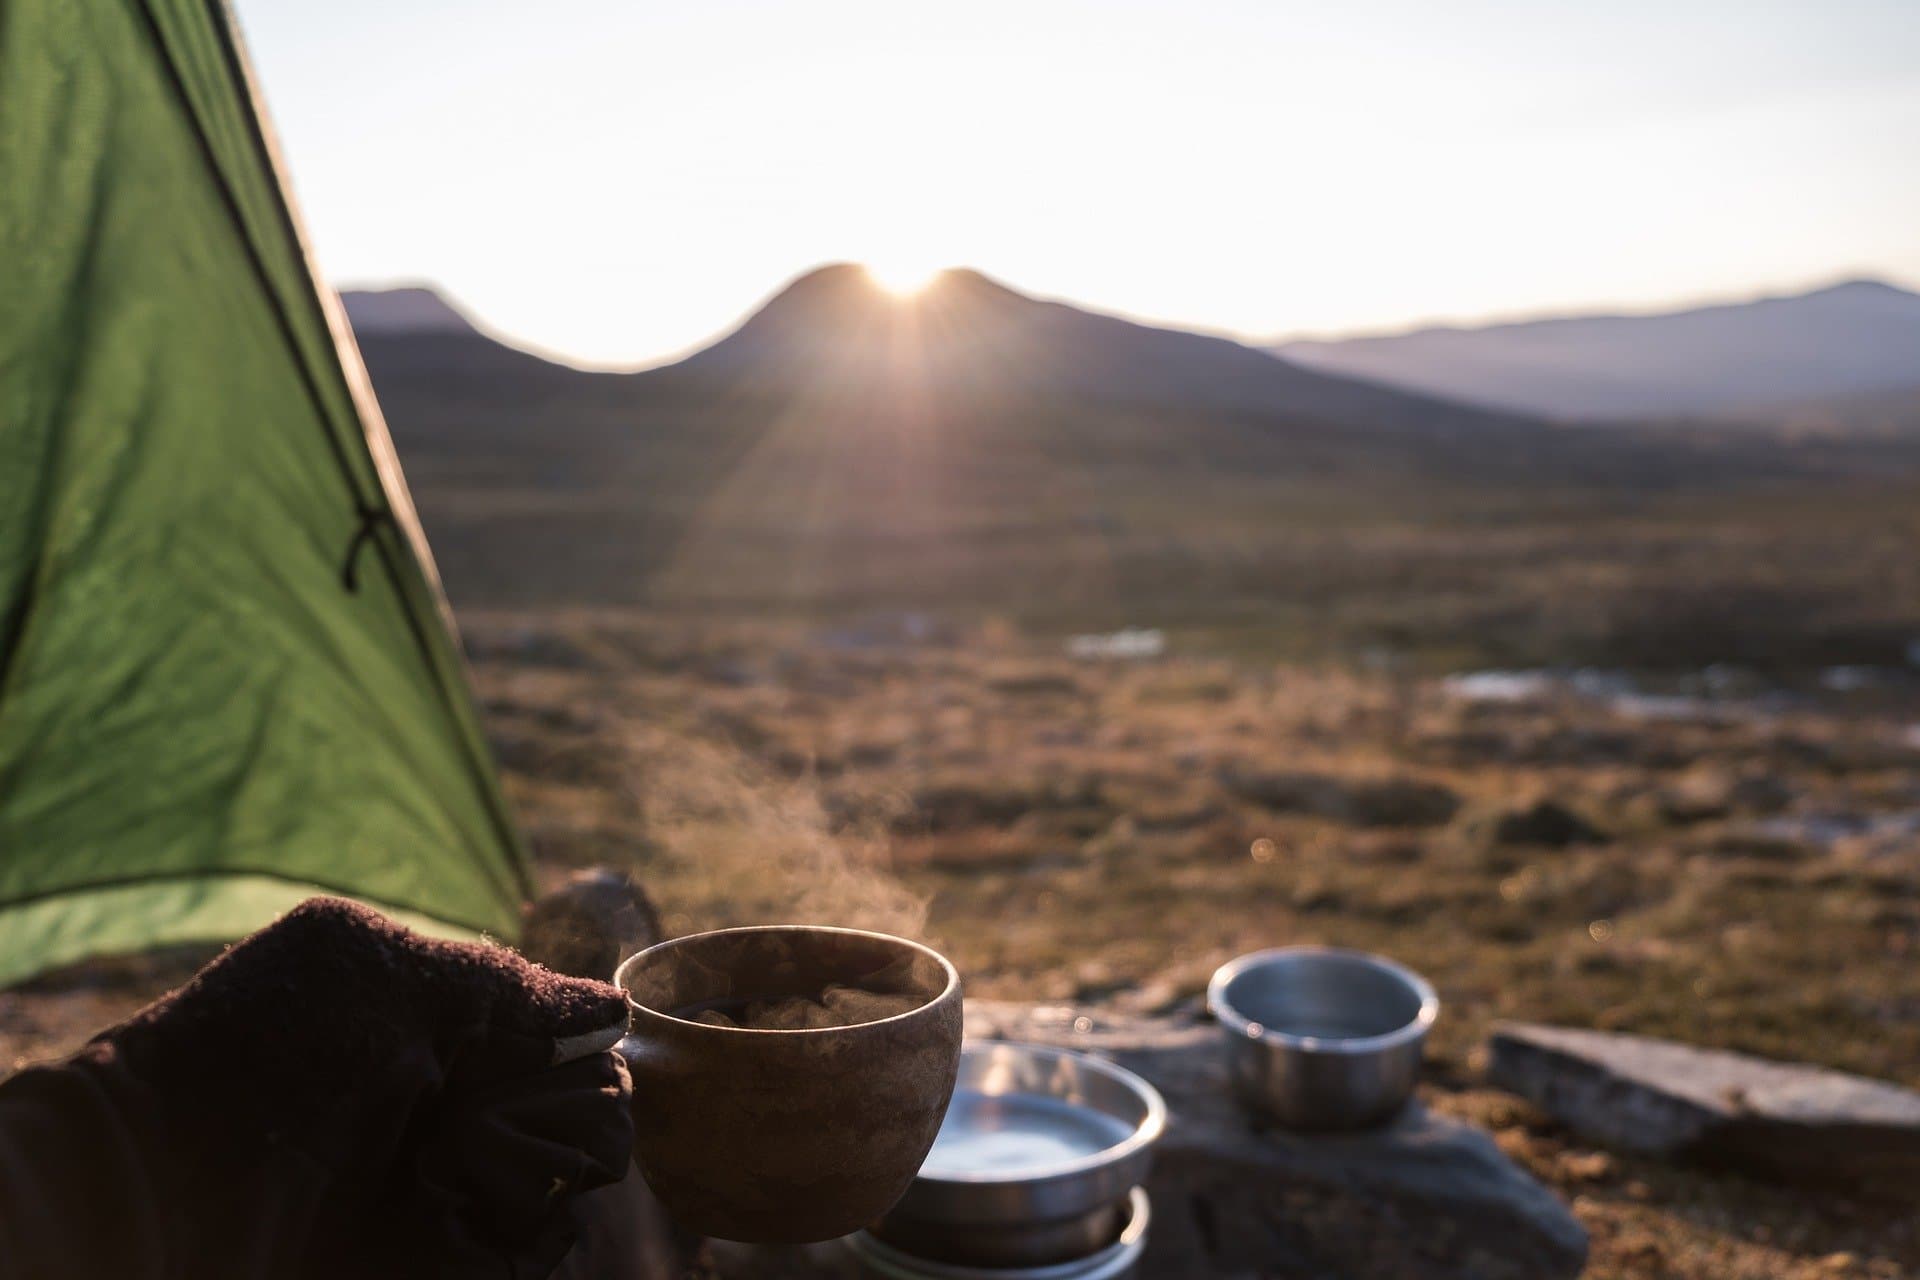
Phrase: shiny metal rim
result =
(1235, 1021)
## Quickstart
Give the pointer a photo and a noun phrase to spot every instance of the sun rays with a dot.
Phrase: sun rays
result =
(903, 275)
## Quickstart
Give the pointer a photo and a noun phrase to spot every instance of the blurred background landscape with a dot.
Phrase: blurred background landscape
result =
(1102, 652)
(849, 451)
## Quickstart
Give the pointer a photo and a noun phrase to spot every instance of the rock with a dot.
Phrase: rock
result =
(1694, 800)
(955, 803)
(1789, 1121)
(1545, 823)
(1361, 802)
(1710, 795)
(1424, 1197)
(1760, 793)
(590, 923)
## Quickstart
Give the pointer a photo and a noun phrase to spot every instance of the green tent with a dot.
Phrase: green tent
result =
(227, 676)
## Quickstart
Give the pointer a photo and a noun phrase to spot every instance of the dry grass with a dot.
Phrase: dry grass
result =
(1114, 832)
(1109, 832)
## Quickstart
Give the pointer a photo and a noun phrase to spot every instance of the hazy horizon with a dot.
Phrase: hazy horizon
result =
(619, 185)
(489, 326)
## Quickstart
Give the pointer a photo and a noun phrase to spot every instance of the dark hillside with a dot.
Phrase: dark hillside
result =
(975, 450)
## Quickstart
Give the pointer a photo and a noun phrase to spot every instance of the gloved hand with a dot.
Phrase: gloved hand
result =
(349, 1098)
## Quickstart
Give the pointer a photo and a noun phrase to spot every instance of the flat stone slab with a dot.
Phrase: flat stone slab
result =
(1424, 1197)
(1657, 1097)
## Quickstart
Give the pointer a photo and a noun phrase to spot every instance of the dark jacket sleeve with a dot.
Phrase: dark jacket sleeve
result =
(83, 1188)
(101, 1175)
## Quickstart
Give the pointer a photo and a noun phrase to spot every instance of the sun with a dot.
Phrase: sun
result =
(902, 275)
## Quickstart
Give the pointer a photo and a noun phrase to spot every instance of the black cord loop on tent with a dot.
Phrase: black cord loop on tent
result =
(371, 518)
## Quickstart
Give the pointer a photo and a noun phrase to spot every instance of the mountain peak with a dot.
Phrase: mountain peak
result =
(827, 317)
(854, 284)
(964, 339)
(1863, 289)
(403, 309)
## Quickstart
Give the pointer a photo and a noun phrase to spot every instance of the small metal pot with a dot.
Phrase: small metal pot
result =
(1318, 1038)
(1092, 1126)
(1117, 1257)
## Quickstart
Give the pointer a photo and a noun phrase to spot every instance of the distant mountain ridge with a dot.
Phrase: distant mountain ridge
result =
(1859, 337)
(404, 309)
(844, 444)
(973, 447)
(834, 327)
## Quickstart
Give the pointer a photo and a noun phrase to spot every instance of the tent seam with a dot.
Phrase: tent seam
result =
(221, 21)
(483, 768)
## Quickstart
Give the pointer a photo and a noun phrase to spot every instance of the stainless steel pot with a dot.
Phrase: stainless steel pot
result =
(1034, 1163)
(1117, 1258)
(1318, 1038)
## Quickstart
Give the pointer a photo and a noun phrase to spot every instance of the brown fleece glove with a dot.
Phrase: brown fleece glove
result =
(343, 1096)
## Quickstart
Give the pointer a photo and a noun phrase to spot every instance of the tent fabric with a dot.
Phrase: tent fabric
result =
(228, 678)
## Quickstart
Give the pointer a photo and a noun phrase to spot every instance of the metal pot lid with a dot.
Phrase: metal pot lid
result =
(1029, 1113)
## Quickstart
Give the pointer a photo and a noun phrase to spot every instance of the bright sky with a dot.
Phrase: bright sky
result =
(619, 180)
